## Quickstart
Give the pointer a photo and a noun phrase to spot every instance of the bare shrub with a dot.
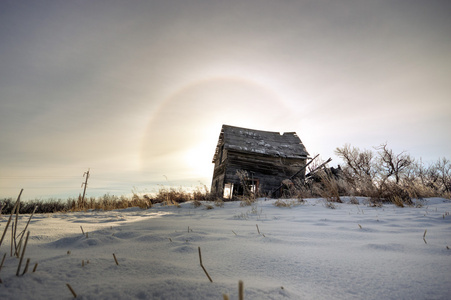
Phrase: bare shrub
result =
(391, 174)
(443, 169)
(416, 181)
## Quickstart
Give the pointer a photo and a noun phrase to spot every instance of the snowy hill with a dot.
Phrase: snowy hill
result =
(307, 251)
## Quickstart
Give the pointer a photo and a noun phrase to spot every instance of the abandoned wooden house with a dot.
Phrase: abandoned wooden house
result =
(266, 158)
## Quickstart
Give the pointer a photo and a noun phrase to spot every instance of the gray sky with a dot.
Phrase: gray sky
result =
(137, 91)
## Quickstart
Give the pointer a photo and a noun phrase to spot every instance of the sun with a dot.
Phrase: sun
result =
(198, 160)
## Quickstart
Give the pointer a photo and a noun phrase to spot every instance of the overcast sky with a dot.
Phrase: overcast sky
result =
(137, 91)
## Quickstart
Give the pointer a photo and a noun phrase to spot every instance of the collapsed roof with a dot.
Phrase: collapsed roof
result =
(269, 143)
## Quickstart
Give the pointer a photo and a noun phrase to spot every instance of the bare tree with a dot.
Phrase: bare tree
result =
(443, 169)
(359, 166)
(392, 164)
(386, 174)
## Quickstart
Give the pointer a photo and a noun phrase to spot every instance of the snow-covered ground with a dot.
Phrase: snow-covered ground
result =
(308, 251)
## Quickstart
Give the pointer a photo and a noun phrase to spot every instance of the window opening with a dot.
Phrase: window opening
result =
(228, 190)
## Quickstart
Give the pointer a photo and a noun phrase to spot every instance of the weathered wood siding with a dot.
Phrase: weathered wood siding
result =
(268, 170)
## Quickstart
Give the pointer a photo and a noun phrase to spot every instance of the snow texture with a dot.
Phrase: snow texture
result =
(307, 251)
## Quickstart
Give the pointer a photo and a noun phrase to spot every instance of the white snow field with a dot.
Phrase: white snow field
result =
(308, 251)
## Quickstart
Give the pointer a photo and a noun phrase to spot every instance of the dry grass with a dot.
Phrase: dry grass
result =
(397, 201)
(171, 196)
(202, 193)
(168, 196)
(247, 201)
(353, 200)
(328, 187)
(71, 290)
(197, 203)
(329, 204)
(219, 202)
(106, 202)
(288, 202)
(202, 265)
